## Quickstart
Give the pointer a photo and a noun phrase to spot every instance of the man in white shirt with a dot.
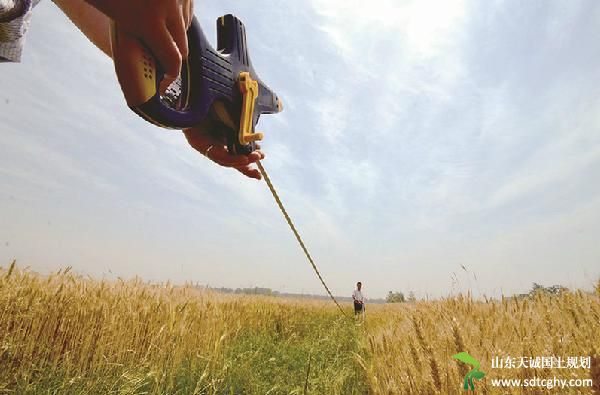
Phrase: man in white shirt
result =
(359, 299)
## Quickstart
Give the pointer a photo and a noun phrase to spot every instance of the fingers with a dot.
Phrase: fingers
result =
(165, 50)
(221, 155)
(187, 7)
(165, 83)
(177, 27)
(260, 154)
(242, 163)
(250, 172)
(217, 152)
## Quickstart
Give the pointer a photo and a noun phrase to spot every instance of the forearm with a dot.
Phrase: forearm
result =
(93, 23)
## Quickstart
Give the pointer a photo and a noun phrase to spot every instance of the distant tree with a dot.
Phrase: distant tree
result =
(552, 290)
(411, 297)
(395, 297)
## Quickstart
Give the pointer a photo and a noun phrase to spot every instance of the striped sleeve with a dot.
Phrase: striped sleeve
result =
(15, 16)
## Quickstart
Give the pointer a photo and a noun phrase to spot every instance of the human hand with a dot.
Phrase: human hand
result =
(160, 24)
(215, 149)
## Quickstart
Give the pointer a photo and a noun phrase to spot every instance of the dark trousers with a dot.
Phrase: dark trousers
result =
(358, 307)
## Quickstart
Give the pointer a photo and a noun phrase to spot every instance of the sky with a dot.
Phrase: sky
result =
(432, 147)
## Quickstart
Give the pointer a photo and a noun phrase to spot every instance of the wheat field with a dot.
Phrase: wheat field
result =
(67, 334)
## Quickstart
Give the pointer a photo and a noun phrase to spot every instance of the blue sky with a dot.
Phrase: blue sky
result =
(418, 138)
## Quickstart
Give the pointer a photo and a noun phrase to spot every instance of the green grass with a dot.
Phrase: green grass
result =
(253, 362)
(66, 335)
(63, 334)
(318, 355)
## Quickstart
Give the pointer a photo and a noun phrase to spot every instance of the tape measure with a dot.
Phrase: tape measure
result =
(218, 84)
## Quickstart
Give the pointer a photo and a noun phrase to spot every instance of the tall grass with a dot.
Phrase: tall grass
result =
(411, 348)
(70, 335)
(65, 334)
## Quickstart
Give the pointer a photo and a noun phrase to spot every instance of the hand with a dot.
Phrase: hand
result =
(215, 149)
(160, 24)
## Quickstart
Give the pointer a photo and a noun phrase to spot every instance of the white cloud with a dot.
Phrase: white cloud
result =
(537, 174)
(413, 138)
(422, 29)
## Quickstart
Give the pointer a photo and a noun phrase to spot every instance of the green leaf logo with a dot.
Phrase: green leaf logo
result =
(475, 373)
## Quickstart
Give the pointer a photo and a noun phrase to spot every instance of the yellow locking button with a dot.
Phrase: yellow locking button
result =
(249, 91)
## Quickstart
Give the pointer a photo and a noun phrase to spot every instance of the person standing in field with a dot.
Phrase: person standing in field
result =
(359, 299)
